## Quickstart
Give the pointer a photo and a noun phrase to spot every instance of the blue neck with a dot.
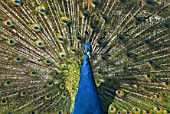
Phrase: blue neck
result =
(87, 100)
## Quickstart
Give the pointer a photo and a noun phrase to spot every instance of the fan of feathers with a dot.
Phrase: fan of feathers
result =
(41, 44)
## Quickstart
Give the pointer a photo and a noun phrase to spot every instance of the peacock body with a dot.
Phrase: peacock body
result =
(87, 98)
(43, 66)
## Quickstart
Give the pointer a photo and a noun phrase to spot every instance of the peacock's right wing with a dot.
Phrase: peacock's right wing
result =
(38, 73)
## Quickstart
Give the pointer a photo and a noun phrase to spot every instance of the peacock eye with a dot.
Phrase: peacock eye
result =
(84, 50)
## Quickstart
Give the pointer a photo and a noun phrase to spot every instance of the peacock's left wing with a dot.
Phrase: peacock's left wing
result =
(131, 56)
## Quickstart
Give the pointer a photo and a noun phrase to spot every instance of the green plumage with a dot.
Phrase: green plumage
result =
(41, 50)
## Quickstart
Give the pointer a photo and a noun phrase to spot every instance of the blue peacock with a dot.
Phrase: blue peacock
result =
(84, 57)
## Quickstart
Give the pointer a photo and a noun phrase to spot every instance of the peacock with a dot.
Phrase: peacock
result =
(84, 56)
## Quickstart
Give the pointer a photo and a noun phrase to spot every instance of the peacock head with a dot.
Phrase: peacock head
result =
(87, 49)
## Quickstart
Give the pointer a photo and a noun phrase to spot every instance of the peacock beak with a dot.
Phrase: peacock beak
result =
(89, 54)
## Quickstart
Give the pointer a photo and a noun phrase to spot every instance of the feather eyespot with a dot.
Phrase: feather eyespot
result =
(98, 83)
(120, 93)
(127, 112)
(34, 112)
(93, 26)
(166, 25)
(121, 37)
(40, 43)
(62, 55)
(64, 94)
(79, 38)
(95, 4)
(122, 1)
(147, 41)
(118, 112)
(16, 2)
(56, 73)
(65, 20)
(104, 17)
(33, 73)
(35, 27)
(60, 112)
(3, 101)
(47, 97)
(99, 42)
(85, 14)
(60, 38)
(47, 62)
(8, 22)
(136, 110)
(73, 50)
(168, 111)
(149, 2)
(64, 66)
(41, 9)
(23, 94)
(158, 97)
(158, 109)
(49, 84)
(18, 59)
(8, 83)
(111, 109)
(62, 86)
(11, 42)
